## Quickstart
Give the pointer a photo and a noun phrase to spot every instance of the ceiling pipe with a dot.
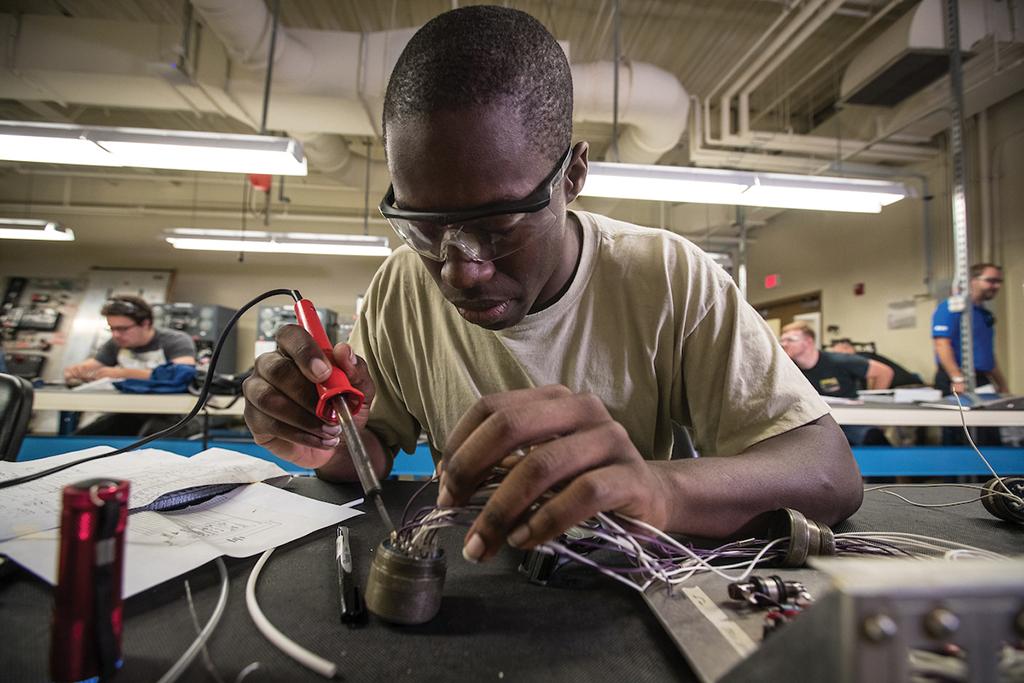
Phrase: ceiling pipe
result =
(279, 217)
(172, 177)
(777, 59)
(330, 154)
(813, 16)
(725, 103)
(339, 77)
(245, 28)
(800, 157)
(752, 50)
(652, 104)
(985, 88)
(880, 14)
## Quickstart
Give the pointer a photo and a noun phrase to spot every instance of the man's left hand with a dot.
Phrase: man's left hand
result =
(571, 442)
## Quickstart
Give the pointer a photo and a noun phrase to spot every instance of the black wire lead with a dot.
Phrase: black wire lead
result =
(200, 402)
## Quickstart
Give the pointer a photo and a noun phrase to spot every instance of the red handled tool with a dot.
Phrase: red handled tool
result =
(337, 384)
(338, 402)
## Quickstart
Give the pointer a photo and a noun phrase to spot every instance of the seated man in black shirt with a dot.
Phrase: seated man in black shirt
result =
(901, 376)
(834, 374)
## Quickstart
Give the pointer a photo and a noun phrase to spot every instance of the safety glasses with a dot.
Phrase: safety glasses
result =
(483, 234)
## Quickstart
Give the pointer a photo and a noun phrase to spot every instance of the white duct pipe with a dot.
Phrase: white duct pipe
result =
(278, 217)
(330, 154)
(324, 81)
(652, 103)
(653, 106)
(245, 27)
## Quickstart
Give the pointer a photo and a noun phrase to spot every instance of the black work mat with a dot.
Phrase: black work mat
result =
(493, 624)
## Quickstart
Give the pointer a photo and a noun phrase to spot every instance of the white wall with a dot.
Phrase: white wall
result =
(1006, 143)
(887, 252)
(119, 218)
(202, 277)
(811, 250)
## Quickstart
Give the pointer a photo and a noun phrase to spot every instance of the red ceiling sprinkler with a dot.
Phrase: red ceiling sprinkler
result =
(260, 181)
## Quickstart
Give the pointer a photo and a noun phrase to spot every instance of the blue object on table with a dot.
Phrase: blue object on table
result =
(418, 465)
(931, 461)
(169, 378)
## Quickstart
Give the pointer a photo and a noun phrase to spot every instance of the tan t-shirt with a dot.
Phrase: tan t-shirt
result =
(650, 324)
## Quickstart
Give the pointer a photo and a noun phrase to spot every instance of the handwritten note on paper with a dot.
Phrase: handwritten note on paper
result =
(162, 545)
(35, 506)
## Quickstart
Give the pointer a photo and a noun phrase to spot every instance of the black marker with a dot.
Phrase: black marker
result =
(351, 603)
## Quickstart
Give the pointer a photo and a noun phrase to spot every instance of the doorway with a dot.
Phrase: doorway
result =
(781, 312)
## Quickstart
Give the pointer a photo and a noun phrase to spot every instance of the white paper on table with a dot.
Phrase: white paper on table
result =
(35, 505)
(102, 384)
(162, 545)
(840, 401)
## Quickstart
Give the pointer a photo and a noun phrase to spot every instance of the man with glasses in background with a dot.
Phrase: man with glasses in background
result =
(135, 347)
(562, 344)
(836, 375)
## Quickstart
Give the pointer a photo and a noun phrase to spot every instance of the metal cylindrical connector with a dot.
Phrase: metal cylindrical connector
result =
(806, 537)
(403, 589)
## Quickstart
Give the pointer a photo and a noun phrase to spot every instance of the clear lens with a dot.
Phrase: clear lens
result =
(482, 239)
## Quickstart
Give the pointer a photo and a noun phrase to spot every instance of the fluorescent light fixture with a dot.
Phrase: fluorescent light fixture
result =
(28, 229)
(314, 243)
(740, 188)
(59, 143)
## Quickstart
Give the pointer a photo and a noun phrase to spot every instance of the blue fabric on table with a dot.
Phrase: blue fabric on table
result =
(169, 378)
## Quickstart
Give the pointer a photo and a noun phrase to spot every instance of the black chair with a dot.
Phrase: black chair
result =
(15, 411)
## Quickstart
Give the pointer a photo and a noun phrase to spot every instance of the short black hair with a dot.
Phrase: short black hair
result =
(480, 55)
(979, 268)
(129, 306)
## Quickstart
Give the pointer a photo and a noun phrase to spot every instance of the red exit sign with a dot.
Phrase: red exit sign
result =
(772, 281)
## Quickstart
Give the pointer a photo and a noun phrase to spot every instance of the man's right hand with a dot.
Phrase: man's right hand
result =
(281, 397)
(77, 373)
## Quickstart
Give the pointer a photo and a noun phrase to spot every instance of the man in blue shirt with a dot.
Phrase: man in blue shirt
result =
(986, 280)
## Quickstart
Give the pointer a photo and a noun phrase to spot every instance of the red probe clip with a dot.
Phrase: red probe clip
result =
(337, 384)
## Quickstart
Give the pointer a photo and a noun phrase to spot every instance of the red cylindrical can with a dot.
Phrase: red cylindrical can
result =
(87, 615)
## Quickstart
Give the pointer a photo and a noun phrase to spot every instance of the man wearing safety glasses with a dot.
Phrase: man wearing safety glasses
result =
(514, 331)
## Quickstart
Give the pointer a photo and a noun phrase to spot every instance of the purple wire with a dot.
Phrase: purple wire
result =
(405, 512)
(661, 556)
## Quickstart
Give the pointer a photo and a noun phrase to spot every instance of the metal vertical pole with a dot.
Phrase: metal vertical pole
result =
(741, 267)
(270, 66)
(366, 190)
(962, 277)
(616, 37)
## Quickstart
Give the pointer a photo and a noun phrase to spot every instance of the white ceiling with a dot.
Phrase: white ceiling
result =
(698, 41)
